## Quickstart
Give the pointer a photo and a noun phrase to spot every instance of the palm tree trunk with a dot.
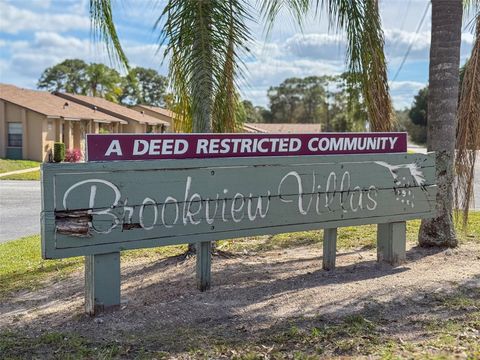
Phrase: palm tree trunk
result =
(442, 119)
(202, 77)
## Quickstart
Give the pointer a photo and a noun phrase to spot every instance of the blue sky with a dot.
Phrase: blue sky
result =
(35, 34)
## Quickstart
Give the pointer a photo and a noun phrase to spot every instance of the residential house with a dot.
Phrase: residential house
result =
(31, 121)
(281, 128)
(137, 122)
(157, 112)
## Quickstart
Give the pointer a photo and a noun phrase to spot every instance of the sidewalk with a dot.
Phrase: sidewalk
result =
(417, 148)
(19, 171)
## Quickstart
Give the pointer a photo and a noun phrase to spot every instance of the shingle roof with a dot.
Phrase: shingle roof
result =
(50, 105)
(282, 128)
(112, 108)
(157, 109)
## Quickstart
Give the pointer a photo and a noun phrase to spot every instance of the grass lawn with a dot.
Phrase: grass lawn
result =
(23, 268)
(7, 165)
(21, 265)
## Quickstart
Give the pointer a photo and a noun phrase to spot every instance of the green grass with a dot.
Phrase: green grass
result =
(31, 175)
(7, 165)
(23, 268)
(21, 265)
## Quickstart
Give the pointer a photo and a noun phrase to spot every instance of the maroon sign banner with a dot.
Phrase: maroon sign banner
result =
(110, 147)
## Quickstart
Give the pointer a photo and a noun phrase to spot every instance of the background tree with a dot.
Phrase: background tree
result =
(139, 86)
(103, 81)
(253, 114)
(346, 109)
(298, 100)
(329, 100)
(442, 120)
(418, 115)
(144, 86)
(67, 76)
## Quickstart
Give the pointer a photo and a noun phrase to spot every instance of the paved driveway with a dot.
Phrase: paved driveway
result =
(19, 209)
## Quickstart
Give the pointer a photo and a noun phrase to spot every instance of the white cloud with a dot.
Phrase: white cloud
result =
(406, 85)
(36, 39)
(316, 45)
(146, 55)
(402, 92)
(15, 19)
(28, 59)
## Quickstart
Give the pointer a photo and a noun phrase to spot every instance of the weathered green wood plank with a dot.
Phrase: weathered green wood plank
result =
(107, 207)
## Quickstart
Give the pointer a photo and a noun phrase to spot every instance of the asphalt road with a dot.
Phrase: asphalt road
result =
(19, 209)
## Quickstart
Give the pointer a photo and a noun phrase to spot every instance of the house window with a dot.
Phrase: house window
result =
(15, 134)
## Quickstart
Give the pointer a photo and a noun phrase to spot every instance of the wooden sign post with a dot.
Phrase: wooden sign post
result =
(101, 208)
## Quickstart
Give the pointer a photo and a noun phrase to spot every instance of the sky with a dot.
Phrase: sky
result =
(36, 34)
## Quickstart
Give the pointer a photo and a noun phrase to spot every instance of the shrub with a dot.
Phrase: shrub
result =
(73, 155)
(58, 152)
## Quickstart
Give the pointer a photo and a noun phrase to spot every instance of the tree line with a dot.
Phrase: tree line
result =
(139, 86)
(326, 100)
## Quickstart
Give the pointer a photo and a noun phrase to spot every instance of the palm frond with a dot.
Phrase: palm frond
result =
(468, 133)
(204, 40)
(226, 99)
(360, 20)
(471, 7)
(269, 9)
(104, 30)
(365, 55)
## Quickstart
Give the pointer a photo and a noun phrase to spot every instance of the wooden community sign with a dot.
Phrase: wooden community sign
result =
(98, 209)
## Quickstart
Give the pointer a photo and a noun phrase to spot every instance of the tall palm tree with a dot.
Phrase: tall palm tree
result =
(442, 116)
(205, 40)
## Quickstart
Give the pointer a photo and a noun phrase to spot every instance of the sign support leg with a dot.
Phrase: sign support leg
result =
(329, 248)
(204, 265)
(392, 243)
(102, 282)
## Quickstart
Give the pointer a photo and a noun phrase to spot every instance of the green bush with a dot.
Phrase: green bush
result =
(58, 152)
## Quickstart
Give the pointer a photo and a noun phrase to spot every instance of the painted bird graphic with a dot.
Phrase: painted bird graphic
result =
(404, 177)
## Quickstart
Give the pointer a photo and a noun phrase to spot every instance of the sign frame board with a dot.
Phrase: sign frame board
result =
(74, 195)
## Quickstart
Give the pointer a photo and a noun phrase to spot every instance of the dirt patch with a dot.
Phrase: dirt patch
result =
(253, 293)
